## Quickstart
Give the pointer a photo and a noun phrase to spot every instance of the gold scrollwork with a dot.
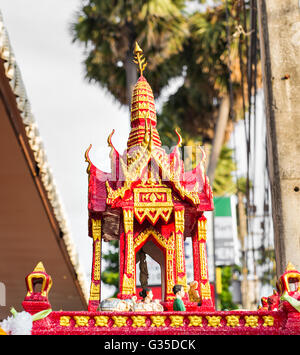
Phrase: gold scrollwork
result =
(195, 321)
(233, 321)
(120, 321)
(153, 197)
(268, 321)
(101, 321)
(179, 221)
(251, 321)
(139, 321)
(158, 321)
(81, 321)
(128, 286)
(205, 290)
(214, 321)
(202, 229)
(152, 213)
(203, 261)
(176, 321)
(64, 321)
(128, 220)
(94, 292)
(96, 229)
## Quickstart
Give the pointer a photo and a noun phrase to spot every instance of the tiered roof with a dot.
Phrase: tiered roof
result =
(146, 162)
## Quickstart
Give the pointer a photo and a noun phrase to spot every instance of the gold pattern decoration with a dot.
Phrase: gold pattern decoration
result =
(195, 321)
(268, 321)
(182, 281)
(96, 232)
(233, 321)
(179, 228)
(251, 321)
(158, 321)
(128, 228)
(153, 197)
(214, 321)
(179, 221)
(128, 287)
(128, 220)
(205, 290)
(101, 321)
(139, 160)
(94, 292)
(87, 159)
(97, 260)
(120, 321)
(81, 321)
(96, 229)
(290, 267)
(203, 261)
(152, 214)
(202, 229)
(139, 321)
(176, 321)
(64, 321)
(158, 237)
(139, 58)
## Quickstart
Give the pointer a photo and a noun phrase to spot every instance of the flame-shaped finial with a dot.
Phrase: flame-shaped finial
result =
(139, 58)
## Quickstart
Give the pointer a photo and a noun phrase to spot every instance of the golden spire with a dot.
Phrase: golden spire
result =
(39, 267)
(139, 58)
(290, 267)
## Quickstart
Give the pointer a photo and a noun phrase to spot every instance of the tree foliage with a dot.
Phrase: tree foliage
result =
(109, 30)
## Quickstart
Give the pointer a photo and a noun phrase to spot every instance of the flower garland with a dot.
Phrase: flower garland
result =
(20, 323)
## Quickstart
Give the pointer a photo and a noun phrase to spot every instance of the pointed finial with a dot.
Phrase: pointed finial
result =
(139, 58)
(39, 267)
(290, 267)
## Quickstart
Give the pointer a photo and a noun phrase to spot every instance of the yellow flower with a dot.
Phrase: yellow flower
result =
(64, 321)
(158, 321)
(214, 321)
(233, 321)
(139, 321)
(268, 321)
(120, 321)
(176, 321)
(101, 321)
(195, 321)
(81, 321)
(251, 321)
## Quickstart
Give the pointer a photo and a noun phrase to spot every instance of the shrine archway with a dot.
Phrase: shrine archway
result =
(157, 255)
(162, 251)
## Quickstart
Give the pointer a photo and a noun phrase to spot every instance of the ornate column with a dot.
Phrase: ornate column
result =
(128, 282)
(96, 266)
(179, 247)
(200, 264)
(170, 268)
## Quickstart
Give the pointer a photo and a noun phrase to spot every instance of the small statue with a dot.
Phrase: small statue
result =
(178, 304)
(193, 292)
(147, 304)
(147, 295)
(270, 303)
(143, 270)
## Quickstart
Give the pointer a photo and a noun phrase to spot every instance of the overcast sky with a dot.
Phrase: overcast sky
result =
(70, 113)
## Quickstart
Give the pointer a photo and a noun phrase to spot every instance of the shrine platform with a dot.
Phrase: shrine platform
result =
(169, 323)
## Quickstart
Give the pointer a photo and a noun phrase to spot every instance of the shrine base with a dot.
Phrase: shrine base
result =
(169, 323)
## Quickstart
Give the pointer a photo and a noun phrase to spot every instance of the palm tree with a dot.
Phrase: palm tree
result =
(211, 95)
(109, 30)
